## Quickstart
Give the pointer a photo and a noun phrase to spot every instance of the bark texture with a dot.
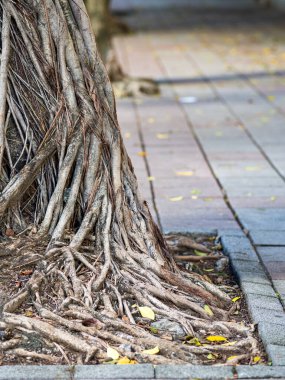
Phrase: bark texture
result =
(70, 204)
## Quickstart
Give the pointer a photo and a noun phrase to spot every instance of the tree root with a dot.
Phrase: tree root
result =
(34, 355)
(133, 87)
(100, 319)
(126, 86)
(183, 242)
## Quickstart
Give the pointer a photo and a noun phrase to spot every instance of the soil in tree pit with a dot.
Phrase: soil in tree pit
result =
(202, 255)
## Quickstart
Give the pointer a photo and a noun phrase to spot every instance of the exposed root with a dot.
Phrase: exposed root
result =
(133, 87)
(126, 86)
(108, 317)
(31, 354)
(184, 242)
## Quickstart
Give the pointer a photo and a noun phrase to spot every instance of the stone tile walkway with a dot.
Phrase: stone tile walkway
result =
(210, 151)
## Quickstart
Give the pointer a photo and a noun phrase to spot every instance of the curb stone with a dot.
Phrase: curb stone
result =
(276, 354)
(263, 305)
(139, 371)
(31, 372)
(193, 372)
(272, 333)
(260, 372)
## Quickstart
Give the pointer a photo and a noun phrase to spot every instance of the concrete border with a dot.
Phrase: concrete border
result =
(264, 307)
(140, 371)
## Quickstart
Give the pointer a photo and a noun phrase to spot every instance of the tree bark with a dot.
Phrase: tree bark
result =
(69, 196)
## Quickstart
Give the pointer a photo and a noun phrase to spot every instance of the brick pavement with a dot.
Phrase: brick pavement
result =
(214, 140)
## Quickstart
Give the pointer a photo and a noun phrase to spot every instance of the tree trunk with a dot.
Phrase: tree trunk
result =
(69, 201)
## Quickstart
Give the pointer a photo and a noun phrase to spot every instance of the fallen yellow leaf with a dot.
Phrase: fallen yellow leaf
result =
(235, 299)
(162, 136)
(194, 341)
(142, 154)
(252, 168)
(208, 310)
(210, 357)
(176, 199)
(271, 98)
(231, 357)
(151, 351)
(198, 253)
(184, 174)
(150, 178)
(264, 119)
(124, 360)
(29, 313)
(256, 359)
(127, 135)
(112, 353)
(273, 198)
(151, 120)
(147, 312)
(196, 191)
(216, 338)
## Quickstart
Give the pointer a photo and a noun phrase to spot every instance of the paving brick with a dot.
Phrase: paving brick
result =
(238, 247)
(193, 372)
(139, 371)
(31, 372)
(260, 372)
(255, 278)
(235, 243)
(265, 237)
(258, 289)
(247, 266)
(259, 314)
(276, 269)
(276, 354)
(253, 200)
(262, 219)
(243, 256)
(272, 333)
(262, 301)
(272, 253)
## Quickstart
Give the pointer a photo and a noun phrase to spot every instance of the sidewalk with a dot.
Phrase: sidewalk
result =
(213, 143)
